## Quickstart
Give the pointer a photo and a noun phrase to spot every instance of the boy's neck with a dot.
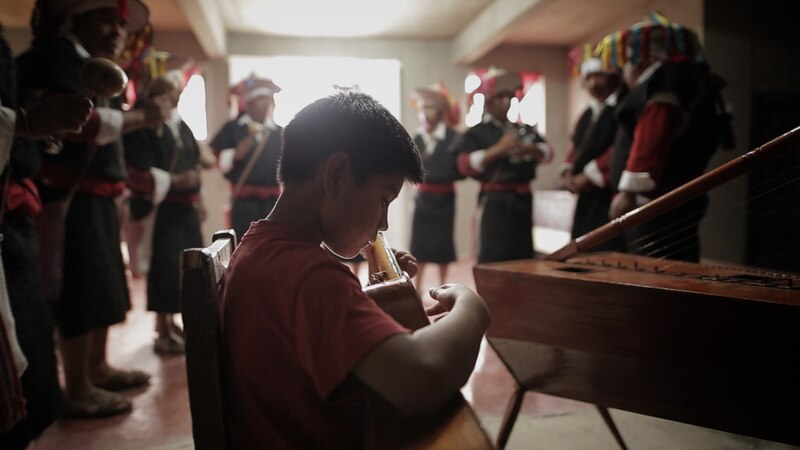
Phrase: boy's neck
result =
(298, 208)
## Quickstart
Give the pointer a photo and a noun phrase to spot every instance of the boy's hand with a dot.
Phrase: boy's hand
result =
(407, 262)
(447, 294)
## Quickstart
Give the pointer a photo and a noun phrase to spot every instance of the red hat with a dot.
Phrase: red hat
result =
(495, 81)
(250, 88)
(438, 94)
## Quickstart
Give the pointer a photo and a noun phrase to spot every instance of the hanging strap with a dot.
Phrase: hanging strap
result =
(252, 161)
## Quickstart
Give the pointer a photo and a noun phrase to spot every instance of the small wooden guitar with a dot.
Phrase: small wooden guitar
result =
(455, 426)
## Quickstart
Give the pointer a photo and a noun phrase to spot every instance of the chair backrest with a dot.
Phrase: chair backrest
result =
(201, 271)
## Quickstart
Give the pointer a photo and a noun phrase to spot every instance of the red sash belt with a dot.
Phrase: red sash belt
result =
(23, 197)
(517, 188)
(63, 178)
(258, 191)
(187, 199)
(437, 188)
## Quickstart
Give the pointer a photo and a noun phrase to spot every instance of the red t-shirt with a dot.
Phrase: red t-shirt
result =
(296, 323)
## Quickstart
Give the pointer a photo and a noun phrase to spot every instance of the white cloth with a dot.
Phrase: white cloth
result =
(20, 362)
(8, 118)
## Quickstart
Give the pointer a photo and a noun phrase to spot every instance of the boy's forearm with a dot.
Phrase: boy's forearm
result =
(455, 341)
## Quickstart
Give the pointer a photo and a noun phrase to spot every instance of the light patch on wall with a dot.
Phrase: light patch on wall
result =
(303, 79)
(192, 107)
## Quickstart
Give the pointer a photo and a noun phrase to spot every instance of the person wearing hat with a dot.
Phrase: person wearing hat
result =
(503, 156)
(671, 123)
(434, 203)
(164, 165)
(586, 170)
(79, 184)
(248, 148)
(29, 388)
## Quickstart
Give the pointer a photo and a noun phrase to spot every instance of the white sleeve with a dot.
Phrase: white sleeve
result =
(637, 182)
(111, 122)
(476, 159)
(593, 173)
(225, 160)
(546, 150)
(161, 180)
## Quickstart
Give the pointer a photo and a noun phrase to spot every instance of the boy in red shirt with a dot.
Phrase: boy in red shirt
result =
(302, 338)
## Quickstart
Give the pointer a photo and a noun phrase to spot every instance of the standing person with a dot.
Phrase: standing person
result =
(309, 340)
(163, 163)
(671, 124)
(83, 179)
(33, 401)
(248, 149)
(435, 200)
(586, 171)
(503, 156)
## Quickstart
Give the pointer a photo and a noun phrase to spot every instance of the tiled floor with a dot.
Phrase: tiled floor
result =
(161, 420)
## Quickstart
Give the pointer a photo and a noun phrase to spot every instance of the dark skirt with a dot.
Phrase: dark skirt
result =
(35, 325)
(432, 228)
(506, 227)
(94, 293)
(177, 227)
(247, 210)
(591, 212)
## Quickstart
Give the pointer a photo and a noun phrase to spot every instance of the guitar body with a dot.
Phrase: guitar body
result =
(455, 426)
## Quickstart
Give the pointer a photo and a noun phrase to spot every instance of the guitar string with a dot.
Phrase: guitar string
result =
(737, 210)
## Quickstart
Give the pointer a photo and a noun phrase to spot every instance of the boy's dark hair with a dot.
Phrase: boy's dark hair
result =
(353, 123)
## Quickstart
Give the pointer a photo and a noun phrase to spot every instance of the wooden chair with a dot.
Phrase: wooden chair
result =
(201, 271)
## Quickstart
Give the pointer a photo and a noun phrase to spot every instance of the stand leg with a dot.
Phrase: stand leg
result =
(510, 417)
(611, 426)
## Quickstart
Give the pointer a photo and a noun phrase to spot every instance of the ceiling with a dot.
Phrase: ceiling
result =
(477, 25)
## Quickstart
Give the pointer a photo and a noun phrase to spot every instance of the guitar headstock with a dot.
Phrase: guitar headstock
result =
(388, 267)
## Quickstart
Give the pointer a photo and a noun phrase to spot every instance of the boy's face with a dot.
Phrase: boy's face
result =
(358, 212)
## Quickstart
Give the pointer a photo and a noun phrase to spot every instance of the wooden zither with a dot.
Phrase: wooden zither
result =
(709, 345)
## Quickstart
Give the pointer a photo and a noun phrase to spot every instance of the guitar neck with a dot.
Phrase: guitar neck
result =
(385, 257)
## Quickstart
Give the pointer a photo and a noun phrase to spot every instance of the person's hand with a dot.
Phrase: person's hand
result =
(508, 141)
(189, 179)
(621, 204)
(206, 158)
(407, 262)
(244, 147)
(157, 109)
(55, 115)
(567, 182)
(581, 183)
(447, 295)
(533, 149)
(201, 211)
